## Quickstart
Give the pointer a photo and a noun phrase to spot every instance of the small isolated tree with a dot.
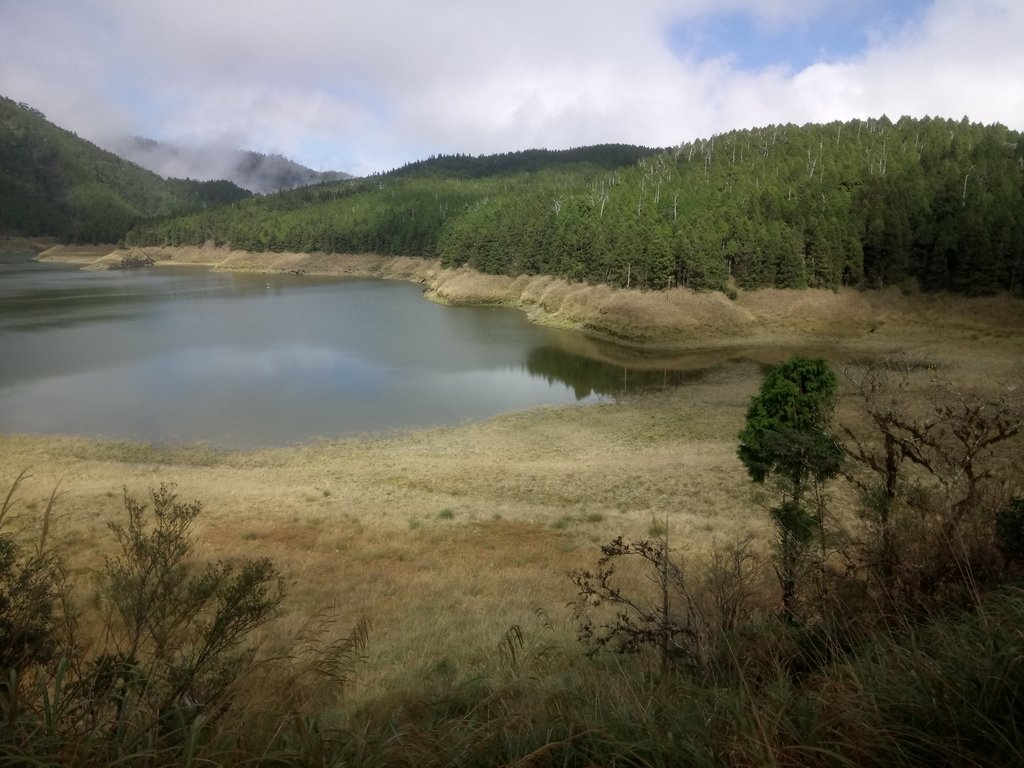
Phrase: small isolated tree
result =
(655, 604)
(786, 440)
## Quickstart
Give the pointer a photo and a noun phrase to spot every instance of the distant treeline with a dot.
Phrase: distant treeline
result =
(607, 156)
(54, 183)
(866, 202)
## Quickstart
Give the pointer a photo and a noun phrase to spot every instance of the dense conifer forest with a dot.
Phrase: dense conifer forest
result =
(868, 203)
(54, 183)
(932, 203)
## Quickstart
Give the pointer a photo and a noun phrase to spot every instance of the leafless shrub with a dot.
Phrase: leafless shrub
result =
(931, 472)
(679, 616)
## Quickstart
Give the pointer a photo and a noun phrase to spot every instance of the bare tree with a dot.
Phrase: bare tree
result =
(943, 457)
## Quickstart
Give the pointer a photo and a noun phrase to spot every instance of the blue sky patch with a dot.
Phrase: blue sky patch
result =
(839, 31)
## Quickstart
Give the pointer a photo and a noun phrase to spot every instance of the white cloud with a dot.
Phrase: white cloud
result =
(963, 58)
(366, 86)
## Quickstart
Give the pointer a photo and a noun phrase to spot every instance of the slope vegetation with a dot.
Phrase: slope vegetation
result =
(54, 183)
(867, 203)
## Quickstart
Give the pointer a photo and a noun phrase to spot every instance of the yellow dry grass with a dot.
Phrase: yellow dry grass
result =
(225, 259)
(77, 254)
(444, 538)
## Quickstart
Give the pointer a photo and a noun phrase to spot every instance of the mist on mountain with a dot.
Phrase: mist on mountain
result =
(255, 171)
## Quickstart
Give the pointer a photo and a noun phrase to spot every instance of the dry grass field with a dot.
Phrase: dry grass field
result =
(444, 538)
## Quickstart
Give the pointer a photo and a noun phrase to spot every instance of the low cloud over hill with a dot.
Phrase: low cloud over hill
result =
(252, 170)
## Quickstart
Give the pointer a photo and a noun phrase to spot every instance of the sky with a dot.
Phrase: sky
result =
(368, 85)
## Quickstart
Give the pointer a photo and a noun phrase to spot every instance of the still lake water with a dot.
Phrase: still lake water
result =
(181, 354)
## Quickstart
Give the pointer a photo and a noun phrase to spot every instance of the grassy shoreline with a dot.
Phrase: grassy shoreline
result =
(445, 537)
(422, 530)
(667, 321)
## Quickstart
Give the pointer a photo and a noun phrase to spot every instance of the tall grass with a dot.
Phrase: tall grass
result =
(945, 691)
(174, 677)
(463, 672)
(948, 694)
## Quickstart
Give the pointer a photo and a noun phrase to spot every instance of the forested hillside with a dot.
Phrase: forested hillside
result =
(54, 183)
(582, 159)
(869, 203)
(866, 203)
(403, 212)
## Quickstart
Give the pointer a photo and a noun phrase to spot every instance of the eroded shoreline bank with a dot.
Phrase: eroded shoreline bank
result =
(671, 320)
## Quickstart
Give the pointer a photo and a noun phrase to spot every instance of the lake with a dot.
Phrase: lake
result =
(182, 354)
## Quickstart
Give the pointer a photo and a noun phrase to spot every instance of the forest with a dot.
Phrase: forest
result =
(54, 183)
(930, 203)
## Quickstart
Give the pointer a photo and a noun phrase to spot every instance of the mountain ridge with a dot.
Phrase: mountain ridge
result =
(55, 183)
(921, 203)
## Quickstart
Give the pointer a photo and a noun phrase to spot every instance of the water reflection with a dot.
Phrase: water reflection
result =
(179, 354)
(184, 353)
(586, 376)
(101, 297)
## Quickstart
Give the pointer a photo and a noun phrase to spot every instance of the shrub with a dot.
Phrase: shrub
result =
(682, 617)
(1010, 528)
(32, 595)
(633, 621)
(176, 676)
(932, 472)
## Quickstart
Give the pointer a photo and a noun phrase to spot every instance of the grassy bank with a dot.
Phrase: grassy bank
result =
(485, 519)
(668, 320)
(422, 530)
(449, 539)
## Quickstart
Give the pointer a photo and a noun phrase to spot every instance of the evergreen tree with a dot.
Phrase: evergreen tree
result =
(786, 438)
